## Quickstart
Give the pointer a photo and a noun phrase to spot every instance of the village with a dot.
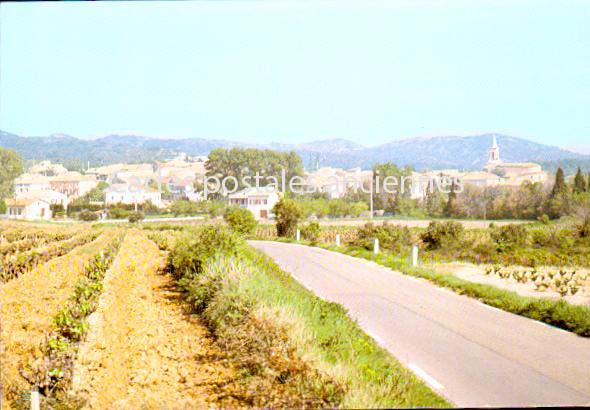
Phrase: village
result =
(47, 188)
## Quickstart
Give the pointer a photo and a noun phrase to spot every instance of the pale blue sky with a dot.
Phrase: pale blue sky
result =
(371, 72)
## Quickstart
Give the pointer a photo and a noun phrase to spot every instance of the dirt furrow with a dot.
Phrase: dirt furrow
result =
(142, 351)
(28, 305)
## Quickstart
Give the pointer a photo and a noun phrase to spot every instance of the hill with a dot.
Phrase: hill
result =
(423, 153)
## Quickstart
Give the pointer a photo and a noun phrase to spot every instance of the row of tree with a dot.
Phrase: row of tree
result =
(529, 201)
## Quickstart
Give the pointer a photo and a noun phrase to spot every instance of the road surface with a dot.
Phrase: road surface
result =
(471, 353)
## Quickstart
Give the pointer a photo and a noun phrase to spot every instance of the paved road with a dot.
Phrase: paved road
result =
(472, 354)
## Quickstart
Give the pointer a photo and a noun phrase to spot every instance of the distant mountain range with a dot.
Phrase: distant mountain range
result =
(467, 153)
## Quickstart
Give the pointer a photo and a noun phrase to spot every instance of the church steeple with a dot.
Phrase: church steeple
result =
(494, 152)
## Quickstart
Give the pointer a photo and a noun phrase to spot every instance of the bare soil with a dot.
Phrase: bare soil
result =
(143, 349)
(476, 273)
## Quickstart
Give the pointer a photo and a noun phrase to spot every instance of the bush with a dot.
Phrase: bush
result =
(185, 207)
(544, 219)
(194, 246)
(57, 208)
(509, 236)
(288, 214)
(215, 208)
(135, 217)
(439, 234)
(2, 206)
(391, 237)
(311, 231)
(118, 213)
(240, 220)
(87, 216)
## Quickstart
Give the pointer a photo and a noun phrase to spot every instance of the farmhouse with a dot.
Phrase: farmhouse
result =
(73, 184)
(31, 182)
(27, 208)
(259, 201)
(130, 194)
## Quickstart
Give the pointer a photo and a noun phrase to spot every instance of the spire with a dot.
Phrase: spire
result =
(494, 153)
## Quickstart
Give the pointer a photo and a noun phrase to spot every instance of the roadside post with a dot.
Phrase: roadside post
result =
(298, 235)
(338, 239)
(414, 256)
(376, 247)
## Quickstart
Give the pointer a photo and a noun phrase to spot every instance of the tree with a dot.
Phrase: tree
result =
(246, 162)
(434, 202)
(288, 213)
(389, 177)
(2, 207)
(450, 206)
(240, 220)
(558, 204)
(559, 188)
(579, 182)
(588, 186)
(11, 166)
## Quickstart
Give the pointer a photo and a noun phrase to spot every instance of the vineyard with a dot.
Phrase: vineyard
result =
(121, 317)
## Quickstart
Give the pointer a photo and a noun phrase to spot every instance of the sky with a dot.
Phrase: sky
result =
(282, 71)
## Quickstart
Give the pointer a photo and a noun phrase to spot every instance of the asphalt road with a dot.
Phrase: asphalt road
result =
(472, 354)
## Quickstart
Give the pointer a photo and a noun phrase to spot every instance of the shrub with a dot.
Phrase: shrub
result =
(509, 236)
(240, 220)
(288, 214)
(135, 217)
(544, 219)
(440, 234)
(185, 207)
(311, 231)
(2, 206)
(390, 237)
(118, 213)
(215, 208)
(87, 216)
(194, 246)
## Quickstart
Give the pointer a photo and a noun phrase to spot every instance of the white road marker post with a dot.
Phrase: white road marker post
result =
(35, 405)
(414, 256)
(376, 247)
(338, 239)
(298, 235)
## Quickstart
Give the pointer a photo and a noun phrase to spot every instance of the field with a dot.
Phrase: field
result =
(177, 316)
(166, 317)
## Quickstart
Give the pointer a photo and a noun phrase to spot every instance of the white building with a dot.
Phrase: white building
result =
(130, 194)
(336, 182)
(27, 208)
(31, 182)
(259, 201)
(48, 195)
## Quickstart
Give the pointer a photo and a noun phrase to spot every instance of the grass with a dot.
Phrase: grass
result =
(558, 313)
(295, 349)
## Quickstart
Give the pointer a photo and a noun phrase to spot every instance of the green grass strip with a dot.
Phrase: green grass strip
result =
(371, 376)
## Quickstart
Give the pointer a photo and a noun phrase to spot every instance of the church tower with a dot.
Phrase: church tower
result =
(494, 152)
